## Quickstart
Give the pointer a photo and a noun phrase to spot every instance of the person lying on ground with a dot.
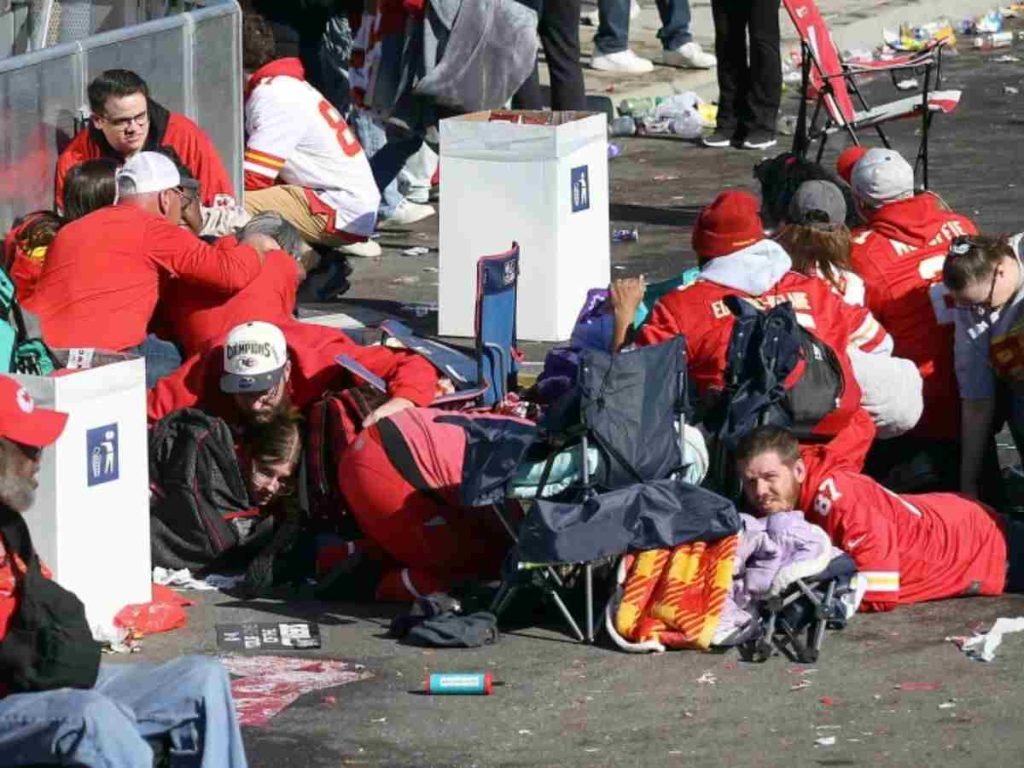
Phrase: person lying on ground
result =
(196, 318)
(126, 121)
(817, 240)
(101, 279)
(910, 548)
(301, 158)
(899, 254)
(261, 369)
(87, 712)
(737, 259)
(985, 276)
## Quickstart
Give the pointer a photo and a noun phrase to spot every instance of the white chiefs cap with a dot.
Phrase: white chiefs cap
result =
(149, 172)
(882, 176)
(254, 358)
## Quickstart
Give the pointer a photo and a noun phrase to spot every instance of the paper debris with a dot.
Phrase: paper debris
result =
(918, 686)
(1011, 90)
(1006, 58)
(908, 84)
(801, 685)
(416, 250)
(948, 704)
(825, 741)
(982, 647)
(525, 732)
(708, 678)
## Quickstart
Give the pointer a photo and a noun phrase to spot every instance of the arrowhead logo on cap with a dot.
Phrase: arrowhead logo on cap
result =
(25, 401)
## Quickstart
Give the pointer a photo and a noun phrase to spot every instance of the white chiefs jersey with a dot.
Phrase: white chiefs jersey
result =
(295, 136)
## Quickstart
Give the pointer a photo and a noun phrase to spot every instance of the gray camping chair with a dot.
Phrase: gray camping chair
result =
(631, 407)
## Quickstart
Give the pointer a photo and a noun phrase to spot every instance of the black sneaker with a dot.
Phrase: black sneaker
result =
(758, 139)
(718, 139)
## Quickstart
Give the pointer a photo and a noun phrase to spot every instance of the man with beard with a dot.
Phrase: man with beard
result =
(262, 369)
(910, 547)
(81, 715)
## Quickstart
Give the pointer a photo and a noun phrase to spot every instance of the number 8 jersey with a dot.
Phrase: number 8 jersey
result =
(899, 255)
(295, 136)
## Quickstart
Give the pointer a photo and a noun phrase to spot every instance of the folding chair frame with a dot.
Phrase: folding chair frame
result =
(549, 581)
(928, 60)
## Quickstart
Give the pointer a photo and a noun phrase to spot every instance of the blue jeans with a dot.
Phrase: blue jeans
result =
(613, 30)
(162, 358)
(187, 700)
(373, 138)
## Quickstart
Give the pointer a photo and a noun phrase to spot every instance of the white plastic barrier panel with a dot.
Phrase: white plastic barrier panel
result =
(537, 178)
(90, 519)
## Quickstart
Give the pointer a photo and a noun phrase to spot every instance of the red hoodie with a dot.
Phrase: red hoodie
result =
(312, 350)
(910, 548)
(899, 254)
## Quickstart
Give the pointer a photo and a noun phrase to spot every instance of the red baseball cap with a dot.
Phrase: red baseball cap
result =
(23, 422)
(849, 158)
(730, 223)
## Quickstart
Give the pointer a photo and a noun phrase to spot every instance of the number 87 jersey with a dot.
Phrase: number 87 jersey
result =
(295, 136)
(899, 255)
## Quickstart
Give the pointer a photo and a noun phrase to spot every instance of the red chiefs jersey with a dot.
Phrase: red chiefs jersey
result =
(910, 548)
(899, 254)
(698, 312)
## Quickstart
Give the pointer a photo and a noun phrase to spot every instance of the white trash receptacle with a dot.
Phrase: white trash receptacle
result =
(90, 519)
(542, 183)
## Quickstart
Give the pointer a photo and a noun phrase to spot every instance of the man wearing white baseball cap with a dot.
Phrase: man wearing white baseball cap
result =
(263, 368)
(59, 705)
(101, 280)
(899, 254)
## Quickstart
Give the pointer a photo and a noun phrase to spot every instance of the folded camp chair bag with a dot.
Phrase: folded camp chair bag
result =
(653, 515)
(628, 403)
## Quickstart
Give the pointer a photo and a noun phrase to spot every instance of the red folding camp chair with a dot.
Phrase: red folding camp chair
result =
(832, 85)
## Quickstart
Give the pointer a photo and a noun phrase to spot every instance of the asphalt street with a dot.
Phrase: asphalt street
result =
(891, 690)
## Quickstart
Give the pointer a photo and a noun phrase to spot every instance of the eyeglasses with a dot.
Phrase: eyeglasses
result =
(986, 304)
(123, 123)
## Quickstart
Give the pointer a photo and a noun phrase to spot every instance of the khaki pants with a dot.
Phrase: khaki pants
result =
(290, 201)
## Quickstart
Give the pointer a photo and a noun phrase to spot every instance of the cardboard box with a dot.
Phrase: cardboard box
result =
(537, 178)
(90, 519)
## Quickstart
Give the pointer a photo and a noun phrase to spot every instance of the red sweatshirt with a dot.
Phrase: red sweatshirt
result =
(899, 254)
(197, 318)
(101, 277)
(166, 129)
(910, 548)
(312, 350)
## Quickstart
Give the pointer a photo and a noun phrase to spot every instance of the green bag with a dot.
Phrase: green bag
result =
(18, 352)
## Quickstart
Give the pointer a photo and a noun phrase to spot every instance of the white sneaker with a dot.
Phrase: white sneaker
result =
(367, 250)
(406, 213)
(593, 18)
(622, 61)
(689, 56)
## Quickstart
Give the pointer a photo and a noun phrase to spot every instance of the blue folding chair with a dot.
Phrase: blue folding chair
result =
(489, 378)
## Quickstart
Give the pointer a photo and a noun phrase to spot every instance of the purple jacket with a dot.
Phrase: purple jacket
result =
(776, 550)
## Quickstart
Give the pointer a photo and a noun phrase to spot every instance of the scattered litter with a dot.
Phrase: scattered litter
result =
(827, 727)
(272, 636)
(183, 579)
(801, 685)
(1011, 90)
(268, 684)
(591, 750)
(1006, 58)
(995, 40)
(614, 150)
(908, 84)
(625, 235)
(419, 309)
(379, 720)
(825, 741)
(982, 647)
(918, 686)
(801, 671)
(416, 250)
(948, 704)
(405, 280)
(618, 266)
(329, 700)
(432, 270)
(525, 732)
(708, 678)
(687, 714)
(665, 177)
(826, 701)
(621, 126)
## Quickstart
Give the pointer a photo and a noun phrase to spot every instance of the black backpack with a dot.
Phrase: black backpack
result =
(764, 349)
(198, 493)
(48, 644)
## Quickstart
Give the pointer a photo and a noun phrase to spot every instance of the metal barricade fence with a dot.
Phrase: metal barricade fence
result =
(192, 63)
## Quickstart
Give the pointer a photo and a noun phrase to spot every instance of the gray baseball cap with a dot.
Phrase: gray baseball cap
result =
(817, 202)
(882, 176)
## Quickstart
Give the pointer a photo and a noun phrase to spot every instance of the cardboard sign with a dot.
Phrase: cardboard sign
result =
(268, 636)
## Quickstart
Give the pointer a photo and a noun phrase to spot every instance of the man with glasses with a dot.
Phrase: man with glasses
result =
(125, 121)
(899, 254)
(102, 276)
(984, 275)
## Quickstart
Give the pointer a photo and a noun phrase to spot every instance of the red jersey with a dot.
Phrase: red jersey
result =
(698, 312)
(899, 254)
(101, 277)
(196, 318)
(166, 129)
(910, 548)
(312, 350)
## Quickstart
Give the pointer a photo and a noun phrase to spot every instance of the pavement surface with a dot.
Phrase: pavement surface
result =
(890, 690)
